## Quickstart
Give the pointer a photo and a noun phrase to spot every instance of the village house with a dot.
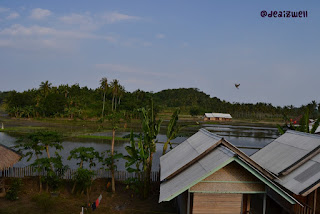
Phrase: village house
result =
(294, 158)
(8, 158)
(207, 174)
(217, 117)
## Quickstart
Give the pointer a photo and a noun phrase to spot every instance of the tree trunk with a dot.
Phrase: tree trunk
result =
(147, 180)
(112, 103)
(104, 100)
(88, 198)
(47, 150)
(74, 187)
(40, 184)
(112, 164)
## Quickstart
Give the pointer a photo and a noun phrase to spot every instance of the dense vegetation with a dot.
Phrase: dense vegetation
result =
(73, 101)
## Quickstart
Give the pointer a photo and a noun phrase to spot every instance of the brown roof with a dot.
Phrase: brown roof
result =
(8, 157)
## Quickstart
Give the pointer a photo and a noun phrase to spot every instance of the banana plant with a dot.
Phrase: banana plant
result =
(137, 155)
(150, 128)
(172, 131)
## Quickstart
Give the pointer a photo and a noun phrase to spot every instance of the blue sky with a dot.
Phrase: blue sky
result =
(155, 45)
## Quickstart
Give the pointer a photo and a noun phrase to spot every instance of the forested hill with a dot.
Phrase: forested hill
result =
(81, 102)
(197, 102)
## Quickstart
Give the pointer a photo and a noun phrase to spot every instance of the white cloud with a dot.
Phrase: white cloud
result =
(113, 17)
(5, 43)
(147, 44)
(184, 45)
(77, 19)
(19, 30)
(13, 15)
(3, 9)
(160, 36)
(86, 21)
(39, 13)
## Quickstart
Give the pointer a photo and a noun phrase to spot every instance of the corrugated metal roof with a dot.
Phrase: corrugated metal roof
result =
(222, 115)
(196, 171)
(286, 150)
(186, 152)
(294, 181)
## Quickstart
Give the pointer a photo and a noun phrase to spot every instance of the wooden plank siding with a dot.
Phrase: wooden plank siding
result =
(232, 178)
(217, 203)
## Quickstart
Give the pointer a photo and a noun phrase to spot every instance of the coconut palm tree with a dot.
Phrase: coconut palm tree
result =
(45, 88)
(115, 91)
(104, 88)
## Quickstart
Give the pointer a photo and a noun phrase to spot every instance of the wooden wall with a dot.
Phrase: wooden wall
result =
(232, 178)
(217, 203)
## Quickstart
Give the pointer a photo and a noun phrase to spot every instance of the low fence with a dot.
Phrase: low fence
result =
(21, 172)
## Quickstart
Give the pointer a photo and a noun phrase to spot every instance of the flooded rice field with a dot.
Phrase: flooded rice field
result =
(248, 139)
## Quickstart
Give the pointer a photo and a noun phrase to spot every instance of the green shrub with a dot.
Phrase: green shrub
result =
(14, 189)
(44, 202)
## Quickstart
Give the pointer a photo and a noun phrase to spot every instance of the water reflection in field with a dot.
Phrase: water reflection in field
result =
(248, 139)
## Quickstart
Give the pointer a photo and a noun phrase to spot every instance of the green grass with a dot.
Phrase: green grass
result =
(102, 137)
(21, 128)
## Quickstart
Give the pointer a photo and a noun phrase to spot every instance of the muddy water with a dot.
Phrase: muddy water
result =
(248, 139)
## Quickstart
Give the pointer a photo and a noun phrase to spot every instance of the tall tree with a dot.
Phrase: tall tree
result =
(45, 88)
(104, 88)
(114, 118)
(115, 91)
(84, 154)
(36, 143)
(28, 146)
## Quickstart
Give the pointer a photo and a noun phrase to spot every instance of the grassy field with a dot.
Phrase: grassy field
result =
(83, 128)
(122, 202)
(101, 137)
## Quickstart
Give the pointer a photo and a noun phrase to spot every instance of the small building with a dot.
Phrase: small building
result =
(207, 174)
(8, 158)
(294, 158)
(217, 117)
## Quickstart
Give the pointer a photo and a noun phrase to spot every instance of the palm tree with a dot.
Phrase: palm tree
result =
(115, 90)
(64, 89)
(104, 87)
(45, 88)
(121, 92)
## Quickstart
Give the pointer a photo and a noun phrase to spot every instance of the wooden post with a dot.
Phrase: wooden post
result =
(315, 201)
(188, 203)
(264, 203)
(248, 203)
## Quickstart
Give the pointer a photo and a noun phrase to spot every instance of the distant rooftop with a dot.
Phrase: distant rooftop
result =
(220, 115)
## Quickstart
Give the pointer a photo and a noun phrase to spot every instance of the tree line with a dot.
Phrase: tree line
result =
(73, 101)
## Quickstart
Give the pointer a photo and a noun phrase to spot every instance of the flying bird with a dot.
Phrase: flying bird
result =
(237, 85)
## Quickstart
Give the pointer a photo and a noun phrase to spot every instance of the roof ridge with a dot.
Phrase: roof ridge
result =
(303, 133)
(226, 150)
(210, 134)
